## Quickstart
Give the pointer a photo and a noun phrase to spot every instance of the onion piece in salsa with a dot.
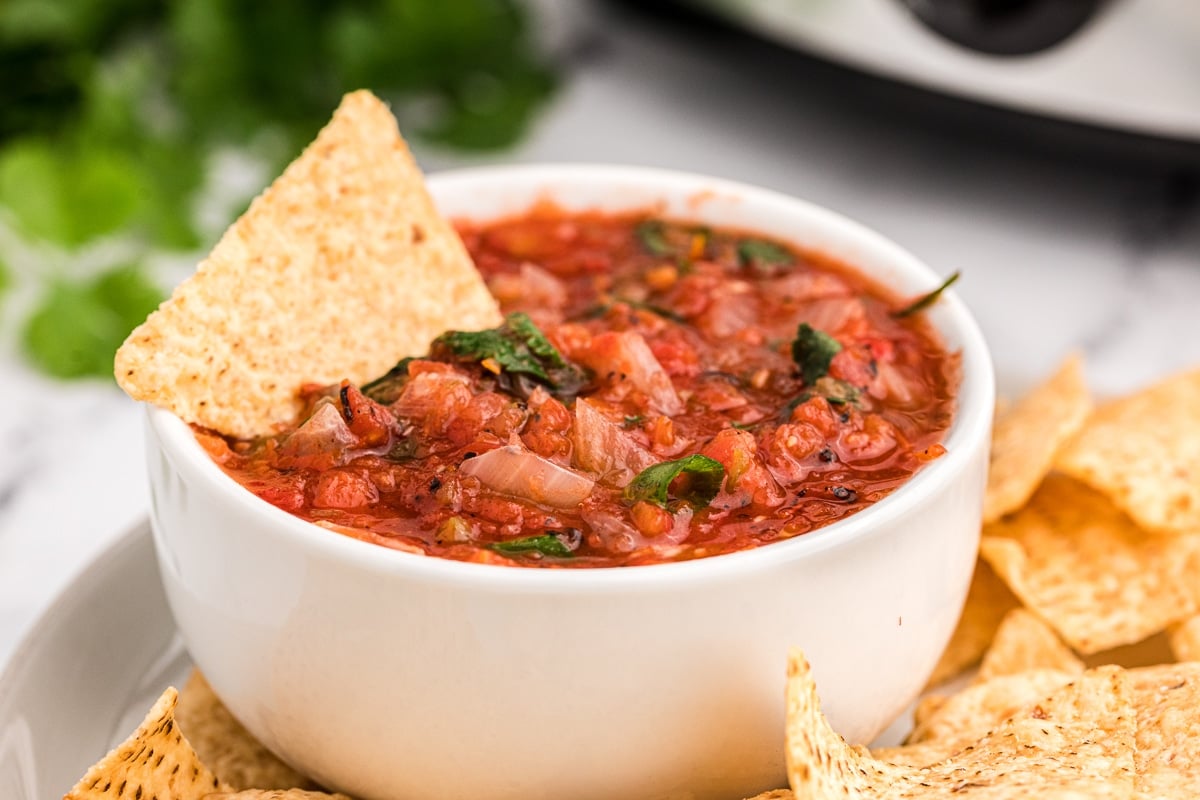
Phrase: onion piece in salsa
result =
(659, 391)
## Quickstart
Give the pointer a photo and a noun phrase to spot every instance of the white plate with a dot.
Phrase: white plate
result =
(85, 676)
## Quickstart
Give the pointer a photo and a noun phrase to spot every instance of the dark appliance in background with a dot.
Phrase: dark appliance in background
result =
(1112, 80)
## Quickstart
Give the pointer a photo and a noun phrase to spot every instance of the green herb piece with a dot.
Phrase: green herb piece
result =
(813, 351)
(762, 255)
(652, 235)
(743, 426)
(633, 422)
(547, 544)
(76, 328)
(68, 195)
(925, 301)
(517, 347)
(386, 388)
(703, 477)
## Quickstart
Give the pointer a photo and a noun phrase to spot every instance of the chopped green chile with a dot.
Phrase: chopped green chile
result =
(926, 300)
(657, 392)
(700, 476)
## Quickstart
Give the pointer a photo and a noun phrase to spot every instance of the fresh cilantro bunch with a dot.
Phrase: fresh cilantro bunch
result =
(112, 115)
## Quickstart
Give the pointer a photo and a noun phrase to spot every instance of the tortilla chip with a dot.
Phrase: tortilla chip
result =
(1086, 569)
(1144, 453)
(1024, 642)
(988, 600)
(1167, 702)
(228, 749)
(969, 714)
(959, 720)
(1076, 743)
(156, 761)
(338, 270)
(1185, 639)
(276, 794)
(1027, 438)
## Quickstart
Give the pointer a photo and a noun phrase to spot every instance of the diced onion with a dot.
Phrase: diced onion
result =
(602, 447)
(514, 471)
(324, 432)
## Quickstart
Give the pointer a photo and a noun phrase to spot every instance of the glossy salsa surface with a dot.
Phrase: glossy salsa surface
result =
(660, 391)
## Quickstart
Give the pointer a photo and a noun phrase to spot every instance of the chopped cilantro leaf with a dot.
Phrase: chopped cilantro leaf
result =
(652, 235)
(386, 388)
(546, 544)
(813, 351)
(926, 300)
(703, 477)
(517, 348)
(762, 255)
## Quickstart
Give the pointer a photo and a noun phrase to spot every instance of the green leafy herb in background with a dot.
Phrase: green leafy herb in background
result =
(110, 114)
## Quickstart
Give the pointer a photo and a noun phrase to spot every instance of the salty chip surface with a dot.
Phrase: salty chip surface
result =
(155, 761)
(1143, 451)
(1027, 438)
(1024, 642)
(339, 269)
(1077, 742)
(1088, 570)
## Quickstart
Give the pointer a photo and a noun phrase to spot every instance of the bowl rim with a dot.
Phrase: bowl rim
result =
(971, 424)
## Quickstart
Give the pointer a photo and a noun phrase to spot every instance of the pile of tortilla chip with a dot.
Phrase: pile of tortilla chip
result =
(1089, 574)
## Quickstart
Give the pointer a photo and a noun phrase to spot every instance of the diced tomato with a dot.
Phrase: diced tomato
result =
(746, 476)
(343, 488)
(547, 432)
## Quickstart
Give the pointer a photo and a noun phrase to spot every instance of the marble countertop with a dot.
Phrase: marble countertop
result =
(1058, 253)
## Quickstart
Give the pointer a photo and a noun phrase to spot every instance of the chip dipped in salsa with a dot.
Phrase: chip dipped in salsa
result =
(659, 391)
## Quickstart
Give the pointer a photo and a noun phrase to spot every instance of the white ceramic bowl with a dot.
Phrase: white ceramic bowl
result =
(386, 674)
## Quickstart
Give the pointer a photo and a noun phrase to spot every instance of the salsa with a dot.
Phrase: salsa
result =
(659, 391)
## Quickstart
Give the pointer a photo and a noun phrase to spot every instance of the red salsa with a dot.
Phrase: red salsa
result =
(659, 391)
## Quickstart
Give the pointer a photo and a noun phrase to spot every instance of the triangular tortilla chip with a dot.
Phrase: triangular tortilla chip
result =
(988, 600)
(156, 761)
(1143, 451)
(1024, 642)
(1075, 743)
(1086, 569)
(338, 270)
(1185, 639)
(1167, 701)
(1027, 438)
(228, 749)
